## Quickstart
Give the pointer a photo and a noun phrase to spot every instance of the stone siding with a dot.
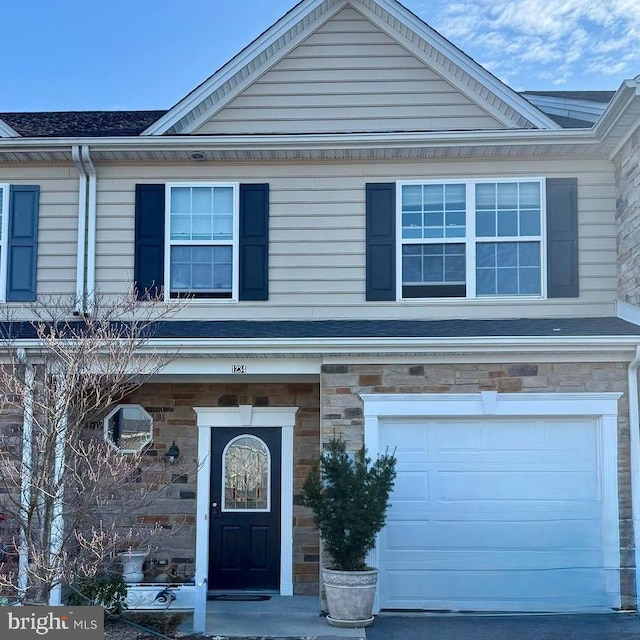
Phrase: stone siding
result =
(627, 176)
(171, 406)
(342, 408)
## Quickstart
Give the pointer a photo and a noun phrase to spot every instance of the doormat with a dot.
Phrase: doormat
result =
(238, 597)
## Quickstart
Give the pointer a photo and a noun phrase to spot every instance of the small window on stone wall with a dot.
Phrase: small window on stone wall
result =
(128, 427)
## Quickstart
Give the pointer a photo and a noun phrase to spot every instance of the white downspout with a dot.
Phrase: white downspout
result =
(59, 461)
(91, 232)
(634, 427)
(25, 488)
(82, 231)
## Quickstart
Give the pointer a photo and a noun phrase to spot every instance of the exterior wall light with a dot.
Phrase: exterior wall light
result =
(172, 454)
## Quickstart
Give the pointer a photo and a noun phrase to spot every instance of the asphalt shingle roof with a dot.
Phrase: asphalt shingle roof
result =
(96, 124)
(61, 124)
(330, 329)
(570, 123)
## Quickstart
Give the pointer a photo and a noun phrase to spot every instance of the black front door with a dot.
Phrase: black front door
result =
(244, 527)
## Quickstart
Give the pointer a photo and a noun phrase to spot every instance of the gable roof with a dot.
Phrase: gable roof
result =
(88, 124)
(390, 16)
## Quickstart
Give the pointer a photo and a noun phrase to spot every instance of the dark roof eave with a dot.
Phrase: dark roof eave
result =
(605, 327)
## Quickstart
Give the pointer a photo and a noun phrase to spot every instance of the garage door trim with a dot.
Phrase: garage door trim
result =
(603, 407)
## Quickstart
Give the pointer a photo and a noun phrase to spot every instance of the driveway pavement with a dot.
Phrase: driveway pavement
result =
(617, 626)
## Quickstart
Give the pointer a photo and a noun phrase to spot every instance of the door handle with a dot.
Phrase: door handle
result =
(215, 512)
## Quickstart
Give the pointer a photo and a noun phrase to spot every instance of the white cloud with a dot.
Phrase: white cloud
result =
(544, 41)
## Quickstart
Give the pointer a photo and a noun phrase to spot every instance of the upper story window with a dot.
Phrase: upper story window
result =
(202, 240)
(478, 238)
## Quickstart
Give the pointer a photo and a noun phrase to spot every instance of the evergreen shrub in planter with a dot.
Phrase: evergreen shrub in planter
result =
(349, 496)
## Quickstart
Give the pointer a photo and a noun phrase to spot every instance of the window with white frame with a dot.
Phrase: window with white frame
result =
(471, 238)
(202, 240)
(128, 428)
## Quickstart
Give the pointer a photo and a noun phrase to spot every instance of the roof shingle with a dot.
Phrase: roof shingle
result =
(89, 124)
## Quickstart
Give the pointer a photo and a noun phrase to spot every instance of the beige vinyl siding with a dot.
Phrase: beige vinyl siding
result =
(57, 223)
(317, 237)
(349, 76)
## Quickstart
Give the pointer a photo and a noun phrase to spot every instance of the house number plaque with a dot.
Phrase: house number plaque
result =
(239, 368)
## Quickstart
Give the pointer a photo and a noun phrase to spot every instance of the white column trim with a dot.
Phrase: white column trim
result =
(209, 418)
(601, 406)
(203, 498)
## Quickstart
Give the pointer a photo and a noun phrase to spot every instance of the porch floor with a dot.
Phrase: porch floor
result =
(279, 617)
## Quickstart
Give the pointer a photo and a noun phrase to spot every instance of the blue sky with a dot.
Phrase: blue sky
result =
(147, 54)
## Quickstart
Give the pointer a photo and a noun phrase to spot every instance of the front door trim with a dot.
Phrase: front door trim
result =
(209, 418)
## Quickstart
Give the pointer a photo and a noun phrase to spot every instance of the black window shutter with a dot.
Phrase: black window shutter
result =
(381, 241)
(22, 245)
(562, 238)
(148, 270)
(254, 242)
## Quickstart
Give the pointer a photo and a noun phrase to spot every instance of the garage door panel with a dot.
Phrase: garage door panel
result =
(485, 591)
(470, 560)
(511, 485)
(495, 511)
(412, 486)
(492, 514)
(567, 536)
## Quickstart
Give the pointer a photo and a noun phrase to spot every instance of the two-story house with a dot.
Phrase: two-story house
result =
(380, 240)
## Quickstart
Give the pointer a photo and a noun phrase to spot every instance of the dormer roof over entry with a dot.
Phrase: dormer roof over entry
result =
(347, 66)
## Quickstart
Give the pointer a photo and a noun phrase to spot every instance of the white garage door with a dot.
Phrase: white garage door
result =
(493, 515)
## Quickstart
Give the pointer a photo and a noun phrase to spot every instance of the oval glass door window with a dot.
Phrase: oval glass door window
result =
(246, 473)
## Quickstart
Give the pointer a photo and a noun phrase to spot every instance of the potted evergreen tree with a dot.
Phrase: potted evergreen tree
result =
(349, 496)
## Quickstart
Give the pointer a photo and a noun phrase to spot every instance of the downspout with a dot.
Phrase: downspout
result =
(57, 524)
(25, 488)
(634, 427)
(82, 231)
(91, 230)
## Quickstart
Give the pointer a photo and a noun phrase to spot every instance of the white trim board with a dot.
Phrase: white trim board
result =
(209, 418)
(601, 406)
(7, 132)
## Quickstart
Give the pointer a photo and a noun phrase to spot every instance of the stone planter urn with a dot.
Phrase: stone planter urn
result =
(350, 596)
(132, 562)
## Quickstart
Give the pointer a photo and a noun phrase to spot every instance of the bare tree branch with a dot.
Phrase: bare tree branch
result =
(72, 370)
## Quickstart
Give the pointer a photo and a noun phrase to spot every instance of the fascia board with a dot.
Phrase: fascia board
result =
(310, 141)
(227, 71)
(376, 346)
(628, 90)
(7, 132)
(395, 345)
(469, 66)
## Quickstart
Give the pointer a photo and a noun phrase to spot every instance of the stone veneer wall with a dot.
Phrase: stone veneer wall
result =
(627, 176)
(342, 408)
(171, 406)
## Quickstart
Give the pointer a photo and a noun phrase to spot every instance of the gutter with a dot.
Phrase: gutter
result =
(634, 437)
(316, 346)
(82, 231)
(312, 140)
(91, 232)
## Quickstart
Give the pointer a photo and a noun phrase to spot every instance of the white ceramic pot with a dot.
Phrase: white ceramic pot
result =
(132, 562)
(350, 596)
